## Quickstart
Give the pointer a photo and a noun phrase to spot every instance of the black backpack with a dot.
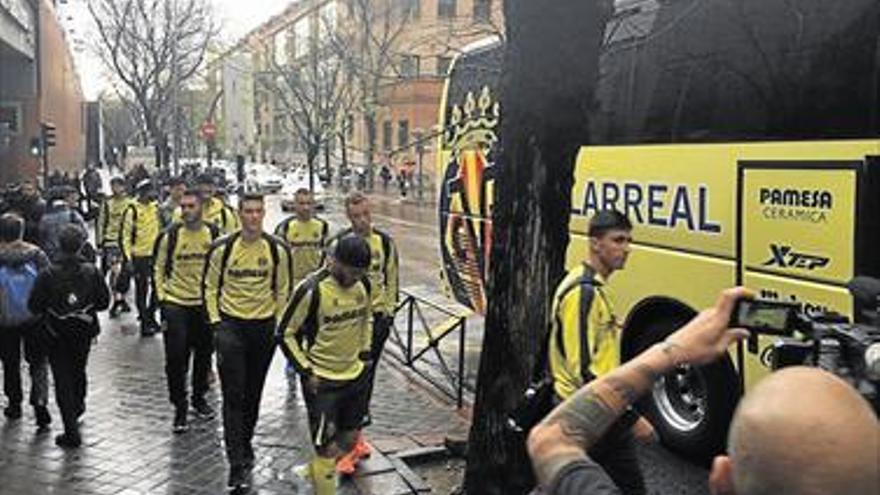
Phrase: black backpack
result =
(71, 306)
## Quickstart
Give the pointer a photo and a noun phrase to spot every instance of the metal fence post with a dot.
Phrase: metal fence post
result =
(409, 331)
(461, 358)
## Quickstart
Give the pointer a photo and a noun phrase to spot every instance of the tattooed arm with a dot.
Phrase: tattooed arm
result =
(578, 423)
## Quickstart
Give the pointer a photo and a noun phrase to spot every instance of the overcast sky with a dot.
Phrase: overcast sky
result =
(237, 18)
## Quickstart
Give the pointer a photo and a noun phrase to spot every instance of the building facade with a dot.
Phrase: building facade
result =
(419, 40)
(38, 83)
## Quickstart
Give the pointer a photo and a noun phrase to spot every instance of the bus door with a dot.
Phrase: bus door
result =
(796, 239)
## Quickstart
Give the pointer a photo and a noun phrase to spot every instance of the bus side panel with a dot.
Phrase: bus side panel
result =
(814, 296)
(692, 279)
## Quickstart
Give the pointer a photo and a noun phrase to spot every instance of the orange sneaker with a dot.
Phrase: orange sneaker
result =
(347, 464)
(361, 447)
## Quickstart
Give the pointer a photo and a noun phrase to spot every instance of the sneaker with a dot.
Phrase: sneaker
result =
(180, 424)
(68, 440)
(147, 330)
(43, 417)
(12, 411)
(126, 308)
(347, 464)
(115, 309)
(203, 411)
(303, 472)
(361, 448)
(238, 480)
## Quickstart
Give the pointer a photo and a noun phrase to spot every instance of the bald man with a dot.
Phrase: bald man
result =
(782, 442)
(801, 431)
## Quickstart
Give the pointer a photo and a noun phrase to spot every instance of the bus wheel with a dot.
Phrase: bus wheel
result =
(691, 406)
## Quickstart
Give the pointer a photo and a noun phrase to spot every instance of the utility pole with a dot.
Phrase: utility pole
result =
(175, 152)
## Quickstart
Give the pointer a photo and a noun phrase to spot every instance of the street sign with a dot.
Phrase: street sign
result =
(208, 130)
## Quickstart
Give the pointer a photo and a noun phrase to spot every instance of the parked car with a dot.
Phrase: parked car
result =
(300, 180)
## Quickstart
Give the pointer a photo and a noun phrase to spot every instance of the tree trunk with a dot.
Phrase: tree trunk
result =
(312, 151)
(370, 122)
(547, 91)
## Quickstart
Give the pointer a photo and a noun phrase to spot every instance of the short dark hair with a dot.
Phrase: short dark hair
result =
(176, 181)
(302, 190)
(206, 179)
(352, 250)
(194, 192)
(71, 238)
(11, 227)
(606, 220)
(355, 198)
(251, 196)
(117, 180)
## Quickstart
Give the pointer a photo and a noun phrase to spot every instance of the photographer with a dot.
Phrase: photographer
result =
(777, 445)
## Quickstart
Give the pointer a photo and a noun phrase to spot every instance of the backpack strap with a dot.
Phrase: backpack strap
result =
(310, 327)
(173, 232)
(227, 251)
(273, 250)
(134, 219)
(105, 210)
(215, 231)
(588, 284)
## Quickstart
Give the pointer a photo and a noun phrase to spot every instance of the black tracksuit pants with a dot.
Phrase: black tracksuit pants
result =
(244, 353)
(381, 329)
(68, 357)
(187, 336)
(144, 296)
(11, 340)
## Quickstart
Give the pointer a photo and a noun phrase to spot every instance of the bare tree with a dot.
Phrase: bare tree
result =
(314, 95)
(368, 42)
(153, 46)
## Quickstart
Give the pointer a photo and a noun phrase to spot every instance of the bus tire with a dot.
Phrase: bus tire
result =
(690, 408)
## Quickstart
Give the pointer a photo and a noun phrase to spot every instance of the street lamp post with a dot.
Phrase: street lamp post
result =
(420, 151)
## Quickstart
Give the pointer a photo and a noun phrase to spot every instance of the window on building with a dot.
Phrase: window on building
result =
(403, 134)
(443, 64)
(409, 66)
(409, 9)
(386, 135)
(482, 10)
(446, 8)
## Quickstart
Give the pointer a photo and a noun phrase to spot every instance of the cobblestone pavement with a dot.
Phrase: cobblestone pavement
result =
(129, 448)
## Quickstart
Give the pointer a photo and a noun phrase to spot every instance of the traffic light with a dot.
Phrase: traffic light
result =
(36, 147)
(48, 134)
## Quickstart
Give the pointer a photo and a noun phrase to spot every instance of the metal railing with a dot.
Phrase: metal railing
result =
(420, 340)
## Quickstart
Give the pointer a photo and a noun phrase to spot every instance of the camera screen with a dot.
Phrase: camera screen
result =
(755, 315)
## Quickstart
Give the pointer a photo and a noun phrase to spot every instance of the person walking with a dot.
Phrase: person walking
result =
(180, 255)
(20, 263)
(246, 285)
(216, 211)
(385, 283)
(69, 295)
(141, 223)
(584, 342)
(107, 240)
(306, 236)
(329, 344)
(62, 211)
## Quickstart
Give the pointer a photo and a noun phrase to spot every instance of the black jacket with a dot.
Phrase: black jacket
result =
(69, 294)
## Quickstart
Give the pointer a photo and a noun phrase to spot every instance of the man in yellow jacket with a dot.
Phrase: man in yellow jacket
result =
(325, 333)
(385, 282)
(246, 286)
(107, 240)
(141, 223)
(215, 210)
(585, 342)
(180, 256)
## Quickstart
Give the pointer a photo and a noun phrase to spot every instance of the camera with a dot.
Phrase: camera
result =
(850, 350)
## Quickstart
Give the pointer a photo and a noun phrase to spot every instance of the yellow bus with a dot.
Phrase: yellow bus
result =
(742, 139)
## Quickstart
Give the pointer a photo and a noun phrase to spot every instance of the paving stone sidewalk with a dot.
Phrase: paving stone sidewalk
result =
(129, 448)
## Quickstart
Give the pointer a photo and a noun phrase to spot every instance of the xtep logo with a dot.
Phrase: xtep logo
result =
(785, 257)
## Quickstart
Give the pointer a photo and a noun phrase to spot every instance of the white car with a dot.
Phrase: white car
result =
(300, 180)
(263, 178)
